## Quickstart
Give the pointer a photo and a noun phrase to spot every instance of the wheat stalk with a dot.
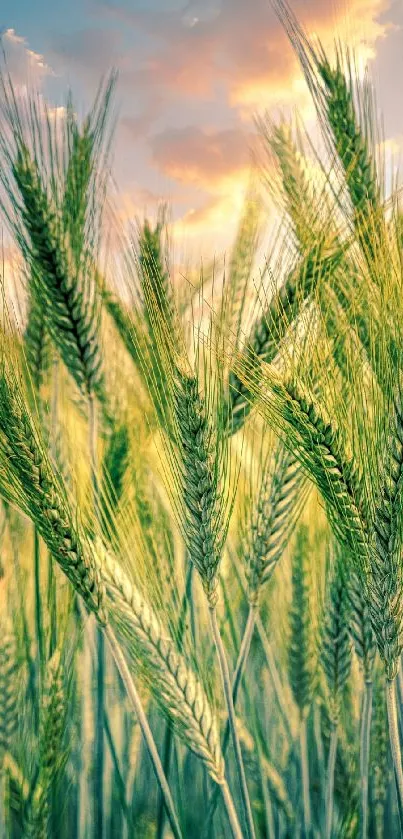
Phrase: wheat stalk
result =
(301, 656)
(379, 754)
(365, 647)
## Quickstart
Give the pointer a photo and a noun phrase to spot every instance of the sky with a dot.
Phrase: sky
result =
(192, 76)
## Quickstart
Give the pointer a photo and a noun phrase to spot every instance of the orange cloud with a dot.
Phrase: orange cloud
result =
(206, 158)
(242, 46)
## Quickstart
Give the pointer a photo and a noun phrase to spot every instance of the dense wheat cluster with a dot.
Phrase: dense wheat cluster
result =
(201, 489)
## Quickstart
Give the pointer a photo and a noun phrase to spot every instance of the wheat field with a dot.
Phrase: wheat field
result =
(201, 484)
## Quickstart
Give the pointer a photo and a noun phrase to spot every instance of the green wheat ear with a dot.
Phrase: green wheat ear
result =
(154, 276)
(114, 468)
(386, 574)
(164, 332)
(238, 269)
(175, 685)
(344, 311)
(379, 753)
(352, 148)
(273, 518)
(8, 689)
(302, 210)
(52, 753)
(360, 624)
(335, 640)
(205, 527)
(28, 480)
(268, 331)
(77, 183)
(348, 126)
(301, 648)
(71, 318)
(37, 343)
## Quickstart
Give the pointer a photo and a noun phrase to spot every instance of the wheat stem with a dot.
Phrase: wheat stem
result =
(366, 716)
(236, 681)
(395, 743)
(275, 677)
(38, 606)
(120, 782)
(271, 665)
(100, 655)
(226, 682)
(232, 816)
(3, 799)
(145, 729)
(320, 752)
(51, 572)
(303, 742)
(240, 666)
(169, 737)
(400, 682)
(331, 765)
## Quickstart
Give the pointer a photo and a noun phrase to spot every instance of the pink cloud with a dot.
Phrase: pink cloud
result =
(203, 157)
(239, 45)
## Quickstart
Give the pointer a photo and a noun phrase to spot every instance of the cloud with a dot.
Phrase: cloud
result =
(241, 46)
(23, 64)
(206, 158)
(191, 76)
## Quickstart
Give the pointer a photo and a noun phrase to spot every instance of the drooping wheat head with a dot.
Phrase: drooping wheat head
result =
(175, 686)
(29, 481)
